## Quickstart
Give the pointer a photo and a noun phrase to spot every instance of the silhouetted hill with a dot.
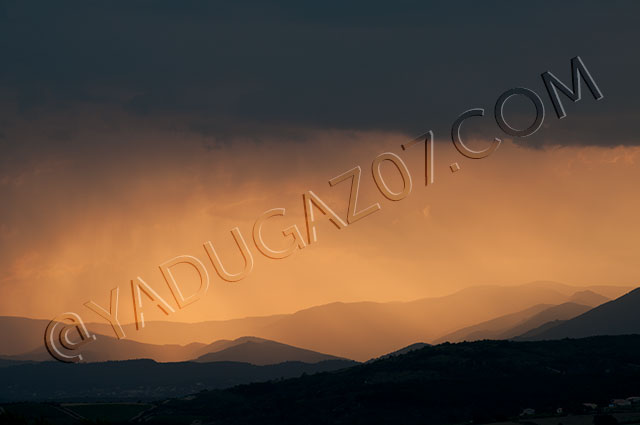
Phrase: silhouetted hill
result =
(139, 379)
(106, 348)
(481, 381)
(206, 332)
(617, 317)
(259, 351)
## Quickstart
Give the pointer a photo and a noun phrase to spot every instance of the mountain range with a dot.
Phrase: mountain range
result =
(225, 363)
(359, 331)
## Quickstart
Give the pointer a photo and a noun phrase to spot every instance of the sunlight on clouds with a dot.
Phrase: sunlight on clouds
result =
(564, 214)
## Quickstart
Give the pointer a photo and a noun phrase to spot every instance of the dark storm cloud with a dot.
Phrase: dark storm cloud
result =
(251, 67)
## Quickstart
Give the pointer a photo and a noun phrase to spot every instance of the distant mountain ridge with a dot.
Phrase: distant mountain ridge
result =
(106, 348)
(256, 351)
(588, 297)
(515, 324)
(618, 317)
(494, 327)
(564, 311)
(366, 330)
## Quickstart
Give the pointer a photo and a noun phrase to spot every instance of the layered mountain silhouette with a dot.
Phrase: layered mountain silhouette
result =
(514, 325)
(365, 330)
(359, 331)
(568, 370)
(617, 317)
(564, 311)
(490, 329)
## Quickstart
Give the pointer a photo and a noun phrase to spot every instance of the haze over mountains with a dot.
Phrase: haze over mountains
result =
(364, 330)
(358, 331)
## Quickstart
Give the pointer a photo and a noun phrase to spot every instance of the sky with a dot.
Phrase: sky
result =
(134, 132)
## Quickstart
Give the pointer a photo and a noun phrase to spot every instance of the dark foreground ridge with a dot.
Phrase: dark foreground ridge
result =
(480, 382)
